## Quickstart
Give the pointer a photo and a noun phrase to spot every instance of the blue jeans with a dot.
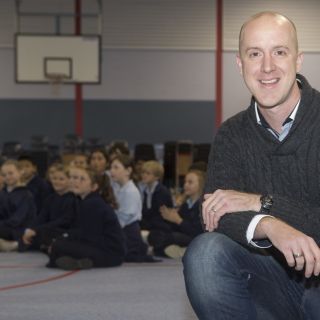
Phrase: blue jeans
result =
(225, 280)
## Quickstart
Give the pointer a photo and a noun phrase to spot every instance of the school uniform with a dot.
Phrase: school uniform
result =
(152, 199)
(17, 210)
(97, 235)
(40, 189)
(191, 224)
(182, 234)
(56, 216)
(129, 215)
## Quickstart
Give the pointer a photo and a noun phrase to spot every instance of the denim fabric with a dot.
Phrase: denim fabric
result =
(225, 280)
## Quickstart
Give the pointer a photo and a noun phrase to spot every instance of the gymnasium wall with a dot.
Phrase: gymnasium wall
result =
(134, 121)
(158, 82)
(145, 96)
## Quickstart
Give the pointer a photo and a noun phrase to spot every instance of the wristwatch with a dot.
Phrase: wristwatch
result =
(266, 204)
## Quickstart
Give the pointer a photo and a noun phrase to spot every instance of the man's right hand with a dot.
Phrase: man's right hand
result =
(300, 250)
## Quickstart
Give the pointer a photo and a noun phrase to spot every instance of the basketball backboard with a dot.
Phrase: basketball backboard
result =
(76, 59)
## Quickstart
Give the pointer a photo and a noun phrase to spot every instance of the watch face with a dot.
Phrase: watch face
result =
(266, 202)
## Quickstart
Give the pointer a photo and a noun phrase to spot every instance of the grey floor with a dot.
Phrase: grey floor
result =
(29, 291)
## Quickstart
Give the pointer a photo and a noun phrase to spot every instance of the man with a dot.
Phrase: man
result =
(260, 257)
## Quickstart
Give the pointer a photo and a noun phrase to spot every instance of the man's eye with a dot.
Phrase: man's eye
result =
(254, 54)
(280, 53)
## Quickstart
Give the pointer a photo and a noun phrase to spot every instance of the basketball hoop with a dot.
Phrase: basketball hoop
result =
(56, 80)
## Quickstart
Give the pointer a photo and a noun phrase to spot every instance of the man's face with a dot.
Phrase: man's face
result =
(269, 61)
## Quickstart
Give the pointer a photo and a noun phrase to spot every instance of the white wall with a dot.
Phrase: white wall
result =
(129, 75)
(153, 75)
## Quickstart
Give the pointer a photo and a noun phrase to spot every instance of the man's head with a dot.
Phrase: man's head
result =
(269, 59)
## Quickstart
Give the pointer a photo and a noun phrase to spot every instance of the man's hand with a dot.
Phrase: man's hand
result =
(221, 202)
(300, 250)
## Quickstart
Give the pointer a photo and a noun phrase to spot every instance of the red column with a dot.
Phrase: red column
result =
(219, 62)
(78, 86)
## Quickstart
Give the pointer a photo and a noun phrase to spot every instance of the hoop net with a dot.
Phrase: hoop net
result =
(56, 80)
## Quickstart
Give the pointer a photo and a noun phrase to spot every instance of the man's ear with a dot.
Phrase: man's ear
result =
(239, 63)
(299, 61)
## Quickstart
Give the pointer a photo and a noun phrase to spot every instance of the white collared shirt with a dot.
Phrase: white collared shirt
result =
(149, 192)
(129, 202)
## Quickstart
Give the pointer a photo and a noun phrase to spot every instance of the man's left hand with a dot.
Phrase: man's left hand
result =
(221, 202)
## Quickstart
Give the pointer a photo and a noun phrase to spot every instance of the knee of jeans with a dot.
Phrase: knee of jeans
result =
(206, 249)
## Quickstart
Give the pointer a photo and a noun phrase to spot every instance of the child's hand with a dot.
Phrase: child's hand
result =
(163, 209)
(170, 215)
(28, 235)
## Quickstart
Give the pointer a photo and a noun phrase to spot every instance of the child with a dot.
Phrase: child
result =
(117, 148)
(186, 221)
(154, 195)
(17, 206)
(56, 216)
(97, 239)
(129, 210)
(38, 186)
(50, 173)
(98, 161)
(80, 160)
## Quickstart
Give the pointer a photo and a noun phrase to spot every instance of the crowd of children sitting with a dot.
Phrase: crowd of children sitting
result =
(97, 210)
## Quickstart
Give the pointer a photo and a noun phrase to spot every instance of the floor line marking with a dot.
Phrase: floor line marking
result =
(32, 283)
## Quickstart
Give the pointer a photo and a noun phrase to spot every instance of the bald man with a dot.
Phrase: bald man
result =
(260, 256)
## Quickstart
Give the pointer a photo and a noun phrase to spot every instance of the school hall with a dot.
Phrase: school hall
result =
(84, 82)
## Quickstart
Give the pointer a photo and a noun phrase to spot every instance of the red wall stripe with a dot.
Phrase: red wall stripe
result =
(78, 86)
(219, 64)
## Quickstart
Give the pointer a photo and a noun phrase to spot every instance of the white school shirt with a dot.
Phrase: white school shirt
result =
(129, 202)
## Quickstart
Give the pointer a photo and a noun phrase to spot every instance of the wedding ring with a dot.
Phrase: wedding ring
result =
(298, 255)
(213, 209)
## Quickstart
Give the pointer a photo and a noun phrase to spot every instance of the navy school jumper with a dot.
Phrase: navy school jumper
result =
(56, 216)
(97, 235)
(151, 217)
(40, 189)
(181, 234)
(58, 211)
(18, 210)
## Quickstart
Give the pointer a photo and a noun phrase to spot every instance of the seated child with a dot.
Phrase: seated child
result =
(118, 148)
(96, 239)
(39, 187)
(186, 220)
(129, 208)
(50, 172)
(154, 195)
(80, 160)
(18, 208)
(56, 216)
(99, 161)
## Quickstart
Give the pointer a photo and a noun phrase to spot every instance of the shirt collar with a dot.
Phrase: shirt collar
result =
(153, 187)
(190, 202)
(264, 123)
